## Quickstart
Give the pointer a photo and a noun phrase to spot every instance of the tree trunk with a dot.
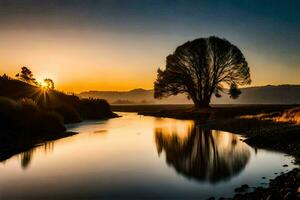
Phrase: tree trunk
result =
(201, 104)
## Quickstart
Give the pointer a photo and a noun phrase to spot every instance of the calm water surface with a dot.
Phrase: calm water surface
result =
(138, 157)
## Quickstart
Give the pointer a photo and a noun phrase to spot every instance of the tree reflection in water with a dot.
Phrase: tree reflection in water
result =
(203, 154)
(26, 156)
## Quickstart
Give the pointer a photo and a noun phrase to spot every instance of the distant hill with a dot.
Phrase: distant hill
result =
(270, 94)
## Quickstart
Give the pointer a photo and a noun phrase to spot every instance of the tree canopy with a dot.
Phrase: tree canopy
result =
(49, 84)
(26, 75)
(201, 68)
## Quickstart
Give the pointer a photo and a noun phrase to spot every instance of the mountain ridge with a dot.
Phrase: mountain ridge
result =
(268, 94)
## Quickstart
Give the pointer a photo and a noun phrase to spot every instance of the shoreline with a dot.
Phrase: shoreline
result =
(15, 147)
(265, 134)
(259, 133)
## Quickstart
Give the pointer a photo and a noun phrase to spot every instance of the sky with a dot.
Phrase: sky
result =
(119, 45)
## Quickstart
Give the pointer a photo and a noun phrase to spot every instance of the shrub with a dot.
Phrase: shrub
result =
(8, 110)
(95, 109)
(69, 114)
(25, 117)
(50, 121)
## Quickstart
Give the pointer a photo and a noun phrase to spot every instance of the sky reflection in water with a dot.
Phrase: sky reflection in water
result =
(137, 157)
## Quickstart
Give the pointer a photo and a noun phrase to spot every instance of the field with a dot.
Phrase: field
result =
(186, 111)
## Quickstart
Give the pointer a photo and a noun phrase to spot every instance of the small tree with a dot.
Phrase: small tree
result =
(201, 68)
(5, 77)
(49, 83)
(26, 75)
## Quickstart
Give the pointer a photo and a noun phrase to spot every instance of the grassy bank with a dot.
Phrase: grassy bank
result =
(186, 111)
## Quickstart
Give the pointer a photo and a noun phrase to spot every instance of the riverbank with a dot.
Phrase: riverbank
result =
(255, 122)
(267, 134)
(285, 186)
(263, 126)
(213, 113)
(25, 124)
(15, 145)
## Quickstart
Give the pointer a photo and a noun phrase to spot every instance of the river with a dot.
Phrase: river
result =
(138, 157)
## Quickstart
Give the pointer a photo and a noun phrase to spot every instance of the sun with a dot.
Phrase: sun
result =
(46, 84)
(43, 84)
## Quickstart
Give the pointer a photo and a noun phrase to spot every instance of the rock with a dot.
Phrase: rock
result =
(285, 165)
(285, 186)
(243, 188)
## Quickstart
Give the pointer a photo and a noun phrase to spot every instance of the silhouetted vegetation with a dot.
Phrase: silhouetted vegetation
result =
(24, 124)
(95, 109)
(201, 68)
(69, 113)
(26, 75)
(49, 83)
(25, 117)
(69, 106)
(30, 114)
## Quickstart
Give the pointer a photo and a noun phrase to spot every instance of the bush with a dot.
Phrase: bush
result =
(8, 110)
(70, 115)
(25, 117)
(50, 121)
(95, 109)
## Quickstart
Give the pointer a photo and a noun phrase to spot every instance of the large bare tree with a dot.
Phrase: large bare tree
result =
(201, 68)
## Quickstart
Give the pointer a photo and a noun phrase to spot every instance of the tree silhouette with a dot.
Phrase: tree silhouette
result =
(201, 68)
(49, 82)
(26, 75)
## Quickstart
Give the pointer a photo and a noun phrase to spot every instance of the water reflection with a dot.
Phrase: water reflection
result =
(195, 152)
(122, 162)
(26, 157)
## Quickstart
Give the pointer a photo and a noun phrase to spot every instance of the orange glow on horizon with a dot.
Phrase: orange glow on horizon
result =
(105, 61)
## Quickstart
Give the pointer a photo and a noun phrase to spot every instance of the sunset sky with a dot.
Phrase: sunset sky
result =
(118, 45)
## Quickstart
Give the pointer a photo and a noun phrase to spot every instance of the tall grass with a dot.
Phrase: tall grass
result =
(291, 115)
